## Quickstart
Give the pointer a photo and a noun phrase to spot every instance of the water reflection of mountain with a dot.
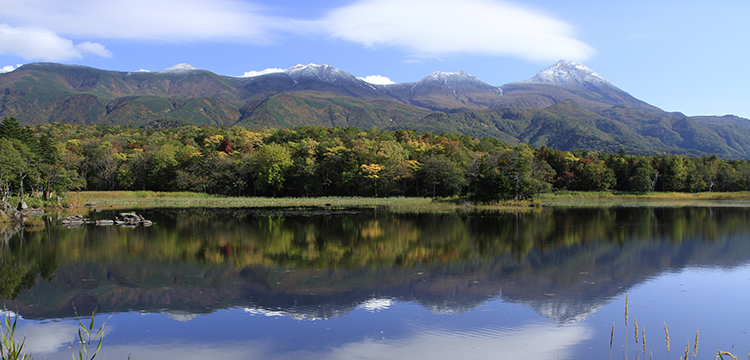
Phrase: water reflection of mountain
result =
(565, 264)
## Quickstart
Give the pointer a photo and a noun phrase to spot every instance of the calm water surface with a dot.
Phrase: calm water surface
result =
(368, 284)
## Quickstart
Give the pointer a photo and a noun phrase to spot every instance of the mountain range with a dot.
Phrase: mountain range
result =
(565, 106)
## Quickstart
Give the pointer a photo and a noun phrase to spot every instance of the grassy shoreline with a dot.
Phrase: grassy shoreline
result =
(654, 199)
(150, 199)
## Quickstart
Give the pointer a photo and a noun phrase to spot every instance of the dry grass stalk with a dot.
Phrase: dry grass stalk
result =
(611, 337)
(643, 334)
(635, 323)
(695, 346)
(721, 353)
(626, 309)
(666, 334)
(627, 302)
(687, 349)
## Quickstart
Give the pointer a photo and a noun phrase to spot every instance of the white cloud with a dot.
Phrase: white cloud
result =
(161, 20)
(435, 27)
(47, 29)
(378, 80)
(262, 72)
(33, 43)
(9, 68)
(94, 48)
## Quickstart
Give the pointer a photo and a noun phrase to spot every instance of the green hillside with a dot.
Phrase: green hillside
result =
(602, 118)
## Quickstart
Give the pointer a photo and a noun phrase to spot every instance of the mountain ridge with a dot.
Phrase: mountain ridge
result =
(324, 95)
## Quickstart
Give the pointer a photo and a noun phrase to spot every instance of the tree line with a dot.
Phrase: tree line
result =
(39, 161)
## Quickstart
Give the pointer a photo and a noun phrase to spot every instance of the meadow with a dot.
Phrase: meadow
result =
(152, 199)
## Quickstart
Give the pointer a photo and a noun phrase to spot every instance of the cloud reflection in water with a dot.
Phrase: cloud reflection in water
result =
(534, 341)
(48, 338)
(537, 341)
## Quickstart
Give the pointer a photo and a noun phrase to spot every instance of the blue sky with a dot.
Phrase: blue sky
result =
(688, 56)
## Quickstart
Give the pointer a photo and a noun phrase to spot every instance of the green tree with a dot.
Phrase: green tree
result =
(162, 166)
(11, 129)
(271, 163)
(12, 164)
(591, 174)
(675, 172)
(443, 176)
(100, 166)
(643, 177)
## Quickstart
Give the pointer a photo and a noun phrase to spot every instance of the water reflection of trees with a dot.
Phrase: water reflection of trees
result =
(23, 260)
(366, 239)
(581, 255)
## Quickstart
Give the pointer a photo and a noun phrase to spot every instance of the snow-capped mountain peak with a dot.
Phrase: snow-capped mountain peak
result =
(568, 73)
(442, 76)
(179, 68)
(326, 73)
(458, 81)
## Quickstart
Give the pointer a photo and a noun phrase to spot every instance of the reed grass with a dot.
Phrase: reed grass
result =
(10, 348)
(720, 354)
(635, 324)
(695, 345)
(627, 302)
(85, 348)
(611, 339)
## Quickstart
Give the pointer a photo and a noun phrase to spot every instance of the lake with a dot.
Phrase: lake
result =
(371, 284)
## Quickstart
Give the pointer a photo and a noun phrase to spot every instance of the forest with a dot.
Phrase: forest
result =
(42, 163)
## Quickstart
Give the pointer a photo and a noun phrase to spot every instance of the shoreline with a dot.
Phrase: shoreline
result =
(150, 199)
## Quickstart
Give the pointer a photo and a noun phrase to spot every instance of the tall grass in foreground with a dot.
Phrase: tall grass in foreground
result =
(10, 347)
(85, 348)
(719, 354)
(89, 340)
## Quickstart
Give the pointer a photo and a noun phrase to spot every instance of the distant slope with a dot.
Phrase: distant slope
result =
(448, 92)
(325, 109)
(567, 125)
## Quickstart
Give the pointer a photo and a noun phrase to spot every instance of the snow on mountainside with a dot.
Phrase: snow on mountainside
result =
(445, 91)
(454, 81)
(179, 68)
(445, 77)
(567, 74)
(325, 73)
(457, 80)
